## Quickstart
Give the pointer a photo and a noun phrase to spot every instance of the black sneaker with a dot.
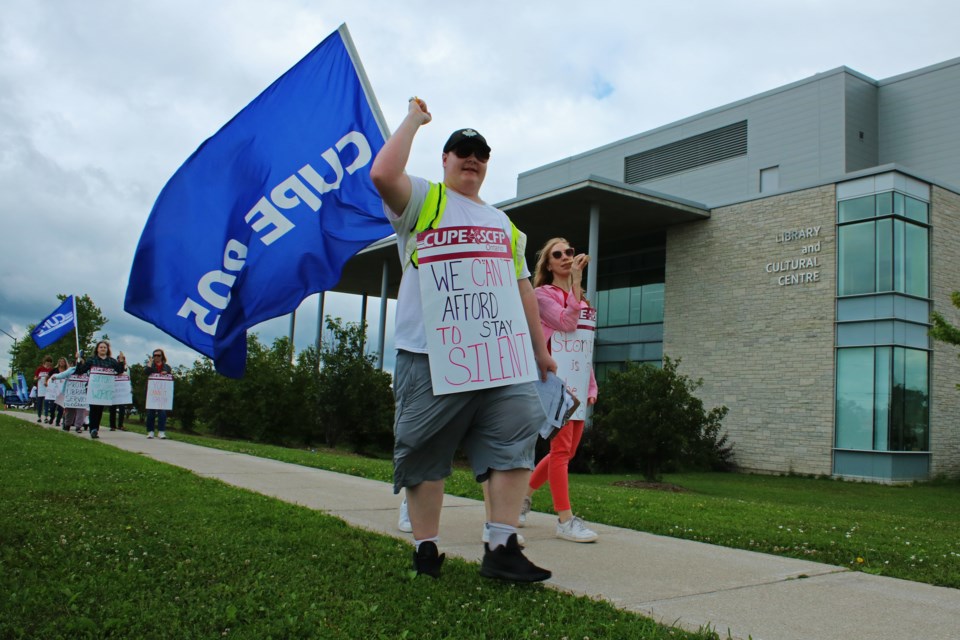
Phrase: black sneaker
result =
(508, 563)
(427, 560)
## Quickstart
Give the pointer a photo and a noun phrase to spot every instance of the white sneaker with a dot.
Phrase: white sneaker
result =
(485, 537)
(524, 510)
(163, 435)
(403, 522)
(149, 435)
(575, 531)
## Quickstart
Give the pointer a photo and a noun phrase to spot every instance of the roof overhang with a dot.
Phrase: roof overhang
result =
(625, 212)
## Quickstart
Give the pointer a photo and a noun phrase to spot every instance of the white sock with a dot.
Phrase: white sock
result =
(499, 534)
(435, 540)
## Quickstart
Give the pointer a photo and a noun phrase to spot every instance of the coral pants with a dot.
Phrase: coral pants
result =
(553, 467)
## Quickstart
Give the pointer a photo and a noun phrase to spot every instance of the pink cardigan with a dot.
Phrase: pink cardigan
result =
(557, 315)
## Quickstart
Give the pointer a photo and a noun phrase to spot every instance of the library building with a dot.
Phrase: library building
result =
(789, 248)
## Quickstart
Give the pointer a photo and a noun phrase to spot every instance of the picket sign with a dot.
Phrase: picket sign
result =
(122, 391)
(75, 393)
(160, 392)
(477, 335)
(100, 386)
(55, 391)
(573, 353)
(41, 385)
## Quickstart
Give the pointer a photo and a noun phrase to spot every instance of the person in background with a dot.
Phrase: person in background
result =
(40, 378)
(58, 400)
(559, 290)
(158, 365)
(102, 359)
(118, 411)
(71, 417)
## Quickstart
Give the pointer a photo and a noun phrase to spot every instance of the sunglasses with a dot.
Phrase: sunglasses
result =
(158, 355)
(465, 152)
(569, 252)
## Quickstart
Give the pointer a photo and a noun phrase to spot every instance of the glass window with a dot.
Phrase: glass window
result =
(917, 262)
(916, 210)
(885, 255)
(855, 400)
(883, 399)
(602, 297)
(636, 296)
(857, 251)
(618, 307)
(857, 208)
(652, 303)
(910, 407)
(884, 203)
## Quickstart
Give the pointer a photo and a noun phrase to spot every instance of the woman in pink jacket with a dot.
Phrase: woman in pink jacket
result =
(560, 294)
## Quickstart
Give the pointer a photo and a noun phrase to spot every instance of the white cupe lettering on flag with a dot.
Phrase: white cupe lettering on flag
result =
(573, 353)
(122, 392)
(75, 393)
(100, 386)
(477, 335)
(160, 392)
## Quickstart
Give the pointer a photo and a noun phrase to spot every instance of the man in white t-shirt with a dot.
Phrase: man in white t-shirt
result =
(496, 427)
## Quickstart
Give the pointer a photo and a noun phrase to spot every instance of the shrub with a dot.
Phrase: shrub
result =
(650, 420)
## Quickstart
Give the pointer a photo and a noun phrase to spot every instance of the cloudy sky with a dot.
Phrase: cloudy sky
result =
(102, 100)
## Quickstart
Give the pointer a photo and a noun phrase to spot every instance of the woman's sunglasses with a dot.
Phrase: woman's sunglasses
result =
(464, 152)
(569, 252)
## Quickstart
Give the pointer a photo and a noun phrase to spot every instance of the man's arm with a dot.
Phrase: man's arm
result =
(531, 310)
(388, 170)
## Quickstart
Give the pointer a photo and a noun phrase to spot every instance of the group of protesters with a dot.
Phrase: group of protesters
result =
(51, 392)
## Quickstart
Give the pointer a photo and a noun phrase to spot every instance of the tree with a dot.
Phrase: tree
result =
(653, 421)
(355, 401)
(25, 356)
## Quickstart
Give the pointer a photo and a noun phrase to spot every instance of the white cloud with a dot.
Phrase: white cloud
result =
(101, 101)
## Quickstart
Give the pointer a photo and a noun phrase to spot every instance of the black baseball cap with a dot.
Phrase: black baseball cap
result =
(465, 137)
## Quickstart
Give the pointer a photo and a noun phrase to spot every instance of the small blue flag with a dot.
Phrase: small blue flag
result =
(23, 392)
(55, 326)
(266, 211)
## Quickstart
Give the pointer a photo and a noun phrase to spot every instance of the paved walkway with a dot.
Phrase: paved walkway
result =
(677, 582)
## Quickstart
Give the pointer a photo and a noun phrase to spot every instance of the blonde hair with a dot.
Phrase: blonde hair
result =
(541, 274)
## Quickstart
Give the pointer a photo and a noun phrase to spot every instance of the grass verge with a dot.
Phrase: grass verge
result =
(903, 531)
(96, 542)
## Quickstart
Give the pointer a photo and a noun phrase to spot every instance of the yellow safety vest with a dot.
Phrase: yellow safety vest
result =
(432, 212)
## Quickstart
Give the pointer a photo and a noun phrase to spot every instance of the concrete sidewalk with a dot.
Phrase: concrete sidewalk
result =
(676, 582)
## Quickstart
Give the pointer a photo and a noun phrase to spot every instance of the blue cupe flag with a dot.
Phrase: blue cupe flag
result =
(266, 211)
(56, 325)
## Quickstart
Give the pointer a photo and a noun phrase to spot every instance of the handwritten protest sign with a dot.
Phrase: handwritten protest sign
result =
(122, 392)
(55, 391)
(160, 391)
(477, 334)
(100, 386)
(75, 393)
(573, 352)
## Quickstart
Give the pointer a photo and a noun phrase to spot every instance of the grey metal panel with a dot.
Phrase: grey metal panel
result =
(862, 135)
(877, 465)
(800, 128)
(918, 122)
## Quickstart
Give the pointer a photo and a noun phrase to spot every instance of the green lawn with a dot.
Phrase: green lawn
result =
(96, 542)
(904, 531)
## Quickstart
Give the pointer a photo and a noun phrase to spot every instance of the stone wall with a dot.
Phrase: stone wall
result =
(764, 349)
(945, 373)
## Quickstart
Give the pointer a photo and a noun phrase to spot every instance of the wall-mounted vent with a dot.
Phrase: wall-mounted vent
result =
(696, 151)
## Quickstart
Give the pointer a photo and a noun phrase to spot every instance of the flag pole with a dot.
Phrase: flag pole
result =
(364, 81)
(76, 324)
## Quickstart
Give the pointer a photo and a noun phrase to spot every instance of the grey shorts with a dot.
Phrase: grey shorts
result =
(497, 427)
